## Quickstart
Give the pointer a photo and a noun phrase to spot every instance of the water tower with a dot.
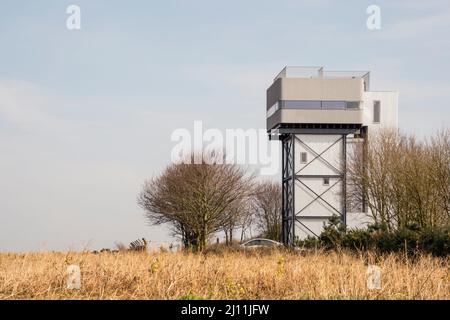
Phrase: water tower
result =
(317, 115)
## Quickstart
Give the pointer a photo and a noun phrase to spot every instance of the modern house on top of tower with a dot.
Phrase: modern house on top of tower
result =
(311, 95)
(316, 114)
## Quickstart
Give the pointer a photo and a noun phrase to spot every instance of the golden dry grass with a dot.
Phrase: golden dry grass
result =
(230, 275)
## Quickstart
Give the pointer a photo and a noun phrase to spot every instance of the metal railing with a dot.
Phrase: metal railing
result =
(318, 72)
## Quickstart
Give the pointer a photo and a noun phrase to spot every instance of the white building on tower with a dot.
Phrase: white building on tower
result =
(318, 115)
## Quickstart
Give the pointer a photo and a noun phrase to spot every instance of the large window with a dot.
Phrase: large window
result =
(302, 104)
(329, 105)
(319, 104)
(376, 111)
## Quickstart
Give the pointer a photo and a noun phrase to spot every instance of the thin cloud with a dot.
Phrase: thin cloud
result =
(28, 108)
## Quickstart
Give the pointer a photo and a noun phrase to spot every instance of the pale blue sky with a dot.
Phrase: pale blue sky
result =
(86, 116)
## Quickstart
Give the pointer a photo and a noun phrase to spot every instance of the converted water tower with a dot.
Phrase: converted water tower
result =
(316, 114)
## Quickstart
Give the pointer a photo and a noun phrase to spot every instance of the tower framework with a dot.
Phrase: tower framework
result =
(296, 177)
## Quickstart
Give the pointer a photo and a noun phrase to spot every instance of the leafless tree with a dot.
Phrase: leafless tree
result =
(403, 181)
(440, 157)
(246, 218)
(239, 216)
(231, 221)
(195, 199)
(267, 206)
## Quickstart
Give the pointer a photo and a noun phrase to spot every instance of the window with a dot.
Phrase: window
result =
(329, 105)
(301, 104)
(272, 109)
(267, 243)
(326, 181)
(303, 157)
(319, 104)
(376, 111)
(352, 105)
(253, 243)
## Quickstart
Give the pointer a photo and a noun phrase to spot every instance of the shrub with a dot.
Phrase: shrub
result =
(332, 234)
(411, 239)
(357, 239)
(437, 241)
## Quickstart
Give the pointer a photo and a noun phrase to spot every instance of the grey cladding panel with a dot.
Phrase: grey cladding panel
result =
(273, 93)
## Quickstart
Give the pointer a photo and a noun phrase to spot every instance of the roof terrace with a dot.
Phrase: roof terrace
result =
(319, 72)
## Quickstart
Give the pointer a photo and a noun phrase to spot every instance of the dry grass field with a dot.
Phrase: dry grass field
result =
(227, 275)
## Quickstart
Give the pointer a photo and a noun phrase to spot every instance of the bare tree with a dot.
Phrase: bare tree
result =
(268, 206)
(239, 216)
(402, 181)
(231, 221)
(369, 175)
(246, 218)
(440, 157)
(195, 199)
